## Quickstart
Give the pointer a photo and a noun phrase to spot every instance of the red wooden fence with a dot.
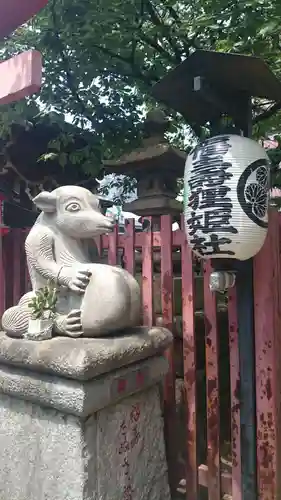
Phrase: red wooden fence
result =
(13, 283)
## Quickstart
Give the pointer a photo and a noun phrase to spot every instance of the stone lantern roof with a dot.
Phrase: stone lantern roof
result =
(155, 151)
(156, 166)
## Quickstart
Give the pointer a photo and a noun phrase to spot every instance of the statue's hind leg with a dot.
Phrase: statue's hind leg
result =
(69, 324)
(15, 319)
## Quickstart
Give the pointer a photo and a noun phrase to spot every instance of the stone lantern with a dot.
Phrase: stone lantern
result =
(156, 166)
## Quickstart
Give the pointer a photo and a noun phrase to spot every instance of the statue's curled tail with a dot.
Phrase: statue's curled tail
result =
(15, 319)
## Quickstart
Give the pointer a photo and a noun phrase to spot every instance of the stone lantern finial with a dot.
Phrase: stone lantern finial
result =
(155, 126)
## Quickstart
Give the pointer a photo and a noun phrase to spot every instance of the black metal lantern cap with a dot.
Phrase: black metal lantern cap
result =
(209, 83)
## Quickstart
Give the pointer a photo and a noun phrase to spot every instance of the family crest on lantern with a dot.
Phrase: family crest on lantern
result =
(227, 190)
(253, 194)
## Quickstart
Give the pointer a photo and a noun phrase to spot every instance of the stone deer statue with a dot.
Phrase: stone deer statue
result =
(94, 299)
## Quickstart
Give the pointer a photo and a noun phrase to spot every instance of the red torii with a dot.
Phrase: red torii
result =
(21, 75)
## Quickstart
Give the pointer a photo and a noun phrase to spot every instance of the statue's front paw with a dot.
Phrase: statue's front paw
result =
(70, 325)
(73, 325)
(80, 282)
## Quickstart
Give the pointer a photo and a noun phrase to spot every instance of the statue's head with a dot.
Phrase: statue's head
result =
(75, 211)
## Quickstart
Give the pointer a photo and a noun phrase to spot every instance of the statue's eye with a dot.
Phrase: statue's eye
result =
(73, 207)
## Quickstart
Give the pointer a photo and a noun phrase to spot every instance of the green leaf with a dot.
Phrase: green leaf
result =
(45, 300)
(47, 156)
(270, 28)
(62, 159)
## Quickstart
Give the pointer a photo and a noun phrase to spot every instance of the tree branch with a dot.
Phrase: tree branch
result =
(187, 44)
(174, 14)
(155, 45)
(111, 53)
(135, 72)
(146, 79)
(157, 21)
(69, 75)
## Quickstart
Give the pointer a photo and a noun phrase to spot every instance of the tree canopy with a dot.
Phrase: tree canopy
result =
(101, 58)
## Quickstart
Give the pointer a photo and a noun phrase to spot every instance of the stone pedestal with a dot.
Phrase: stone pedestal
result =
(80, 419)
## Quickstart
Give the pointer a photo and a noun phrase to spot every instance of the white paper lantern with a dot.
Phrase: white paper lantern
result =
(226, 186)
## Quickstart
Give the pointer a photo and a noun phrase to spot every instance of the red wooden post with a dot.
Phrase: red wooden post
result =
(2, 264)
(113, 246)
(17, 264)
(167, 301)
(212, 372)
(13, 262)
(11, 266)
(167, 271)
(234, 395)
(3, 274)
(189, 361)
(23, 264)
(129, 247)
(147, 275)
(268, 366)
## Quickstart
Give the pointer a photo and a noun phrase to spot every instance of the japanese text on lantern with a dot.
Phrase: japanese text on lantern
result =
(129, 437)
(209, 200)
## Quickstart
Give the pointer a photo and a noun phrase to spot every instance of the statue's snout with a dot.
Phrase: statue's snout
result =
(103, 222)
(110, 223)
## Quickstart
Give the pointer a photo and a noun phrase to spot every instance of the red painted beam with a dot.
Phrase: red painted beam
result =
(20, 76)
(13, 13)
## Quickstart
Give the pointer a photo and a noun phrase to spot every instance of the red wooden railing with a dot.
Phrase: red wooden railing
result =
(158, 246)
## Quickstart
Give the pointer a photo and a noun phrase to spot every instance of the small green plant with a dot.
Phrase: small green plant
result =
(43, 305)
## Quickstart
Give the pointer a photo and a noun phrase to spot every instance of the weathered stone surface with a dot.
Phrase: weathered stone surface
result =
(84, 358)
(82, 398)
(80, 419)
(136, 426)
(116, 454)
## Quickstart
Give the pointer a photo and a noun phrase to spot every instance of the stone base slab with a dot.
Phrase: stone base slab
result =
(115, 454)
(84, 358)
(80, 419)
(78, 397)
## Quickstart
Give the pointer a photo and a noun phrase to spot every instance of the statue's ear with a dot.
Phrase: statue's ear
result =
(45, 201)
